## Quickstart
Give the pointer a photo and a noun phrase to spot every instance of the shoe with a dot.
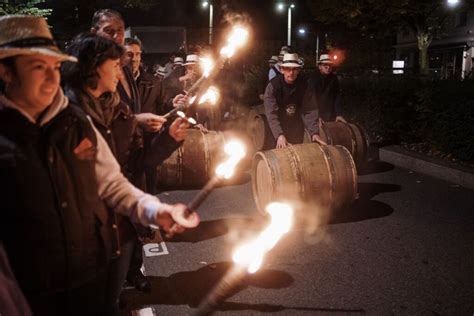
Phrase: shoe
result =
(140, 282)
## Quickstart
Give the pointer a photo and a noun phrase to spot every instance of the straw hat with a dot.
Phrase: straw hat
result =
(161, 71)
(273, 60)
(325, 59)
(178, 61)
(291, 61)
(28, 35)
(191, 60)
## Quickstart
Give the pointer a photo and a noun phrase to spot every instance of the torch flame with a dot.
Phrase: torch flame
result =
(236, 151)
(189, 119)
(207, 65)
(237, 38)
(252, 253)
(211, 96)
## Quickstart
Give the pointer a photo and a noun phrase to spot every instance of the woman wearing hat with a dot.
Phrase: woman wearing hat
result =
(57, 176)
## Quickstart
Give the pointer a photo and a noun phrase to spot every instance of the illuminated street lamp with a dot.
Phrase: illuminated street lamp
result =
(280, 8)
(206, 4)
(453, 3)
(302, 32)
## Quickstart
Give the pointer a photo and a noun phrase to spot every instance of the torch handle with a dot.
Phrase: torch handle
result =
(203, 194)
(222, 290)
(195, 86)
(171, 113)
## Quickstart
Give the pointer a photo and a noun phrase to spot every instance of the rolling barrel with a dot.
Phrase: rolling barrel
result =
(261, 134)
(323, 175)
(351, 136)
(194, 163)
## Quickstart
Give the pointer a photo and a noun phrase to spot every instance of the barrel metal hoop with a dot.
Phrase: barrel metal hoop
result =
(328, 135)
(355, 149)
(332, 171)
(296, 168)
(353, 170)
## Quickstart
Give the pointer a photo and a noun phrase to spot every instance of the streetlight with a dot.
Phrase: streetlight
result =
(453, 3)
(302, 31)
(280, 7)
(206, 4)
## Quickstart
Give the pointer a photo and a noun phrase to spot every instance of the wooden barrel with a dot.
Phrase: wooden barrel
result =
(261, 134)
(192, 165)
(351, 136)
(322, 175)
(253, 111)
(214, 113)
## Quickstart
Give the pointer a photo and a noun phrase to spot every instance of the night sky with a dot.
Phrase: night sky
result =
(73, 16)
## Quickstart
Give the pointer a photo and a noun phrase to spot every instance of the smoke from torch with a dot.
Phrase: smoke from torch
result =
(249, 257)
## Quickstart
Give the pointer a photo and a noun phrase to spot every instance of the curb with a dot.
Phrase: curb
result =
(404, 158)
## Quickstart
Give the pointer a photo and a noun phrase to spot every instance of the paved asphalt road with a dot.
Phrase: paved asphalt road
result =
(406, 247)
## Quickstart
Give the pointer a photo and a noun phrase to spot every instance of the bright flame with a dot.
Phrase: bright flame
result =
(237, 38)
(252, 253)
(189, 119)
(191, 100)
(236, 151)
(211, 96)
(207, 65)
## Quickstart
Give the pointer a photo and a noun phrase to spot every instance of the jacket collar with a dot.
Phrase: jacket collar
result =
(60, 102)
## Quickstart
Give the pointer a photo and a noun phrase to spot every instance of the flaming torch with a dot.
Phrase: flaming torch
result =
(249, 257)
(207, 65)
(236, 151)
(211, 96)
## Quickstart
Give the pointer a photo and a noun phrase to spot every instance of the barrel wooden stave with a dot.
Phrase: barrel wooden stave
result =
(310, 173)
(351, 136)
(192, 165)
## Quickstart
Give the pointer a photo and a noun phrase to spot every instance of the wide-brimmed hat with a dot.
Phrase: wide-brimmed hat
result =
(192, 59)
(178, 61)
(273, 59)
(291, 61)
(161, 71)
(28, 35)
(325, 59)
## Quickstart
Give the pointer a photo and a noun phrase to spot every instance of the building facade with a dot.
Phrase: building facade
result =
(450, 56)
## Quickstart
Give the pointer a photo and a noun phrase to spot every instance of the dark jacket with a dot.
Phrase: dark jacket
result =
(327, 94)
(149, 88)
(285, 108)
(171, 86)
(126, 142)
(12, 301)
(54, 226)
(132, 100)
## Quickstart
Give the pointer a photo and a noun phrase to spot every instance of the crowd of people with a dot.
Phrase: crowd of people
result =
(81, 134)
(73, 168)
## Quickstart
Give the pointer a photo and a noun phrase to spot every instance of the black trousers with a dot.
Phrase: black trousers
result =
(88, 299)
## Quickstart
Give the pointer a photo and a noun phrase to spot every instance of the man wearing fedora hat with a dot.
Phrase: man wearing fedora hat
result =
(324, 86)
(285, 107)
(274, 68)
(57, 176)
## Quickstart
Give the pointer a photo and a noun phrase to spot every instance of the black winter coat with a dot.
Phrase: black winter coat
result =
(54, 226)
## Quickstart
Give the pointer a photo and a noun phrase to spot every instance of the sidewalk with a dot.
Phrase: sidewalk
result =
(450, 172)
